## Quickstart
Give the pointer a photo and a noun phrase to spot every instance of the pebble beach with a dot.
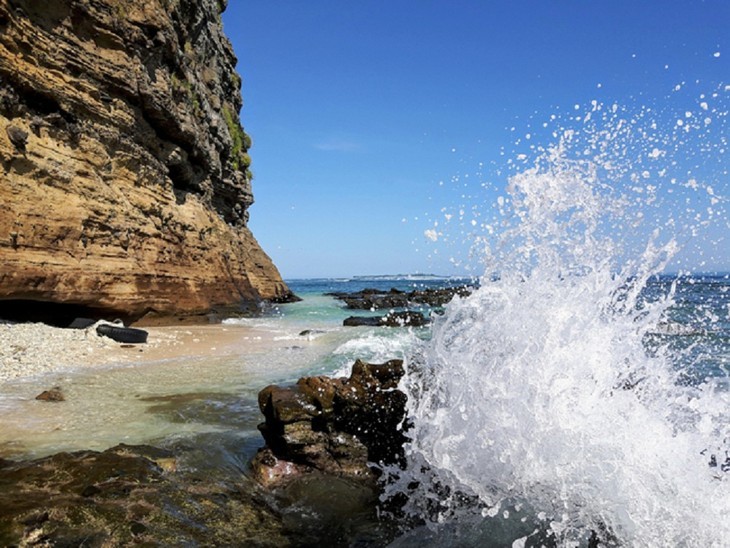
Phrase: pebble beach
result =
(36, 349)
(32, 349)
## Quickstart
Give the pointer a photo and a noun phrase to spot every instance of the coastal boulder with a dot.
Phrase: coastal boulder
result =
(362, 321)
(54, 394)
(335, 426)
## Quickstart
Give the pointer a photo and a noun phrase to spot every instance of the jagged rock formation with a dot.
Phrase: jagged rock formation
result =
(333, 426)
(374, 299)
(124, 168)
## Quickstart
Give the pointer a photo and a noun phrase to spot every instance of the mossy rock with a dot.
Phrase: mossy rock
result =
(241, 141)
(121, 497)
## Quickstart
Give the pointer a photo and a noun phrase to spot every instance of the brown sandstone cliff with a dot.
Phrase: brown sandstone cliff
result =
(124, 179)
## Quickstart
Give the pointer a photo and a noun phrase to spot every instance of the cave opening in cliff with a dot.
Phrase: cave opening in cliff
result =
(50, 313)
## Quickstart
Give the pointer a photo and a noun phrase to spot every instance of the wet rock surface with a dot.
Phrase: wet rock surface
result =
(54, 394)
(129, 495)
(374, 299)
(406, 318)
(314, 484)
(333, 426)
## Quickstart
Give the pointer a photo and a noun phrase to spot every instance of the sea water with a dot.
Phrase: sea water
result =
(546, 406)
(579, 395)
(542, 414)
(205, 402)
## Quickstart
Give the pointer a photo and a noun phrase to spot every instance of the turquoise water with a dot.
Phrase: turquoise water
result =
(212, 399)
(206, 409)
(698, 319)
(548, 408)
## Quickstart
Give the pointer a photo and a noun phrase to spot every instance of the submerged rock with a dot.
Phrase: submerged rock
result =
(54, 394)
(128, 495)
(325, 437)
(335, 426)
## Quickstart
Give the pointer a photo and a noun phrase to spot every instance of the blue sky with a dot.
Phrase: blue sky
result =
(373, 120)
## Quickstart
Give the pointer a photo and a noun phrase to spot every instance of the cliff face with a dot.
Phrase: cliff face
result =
(123, 166)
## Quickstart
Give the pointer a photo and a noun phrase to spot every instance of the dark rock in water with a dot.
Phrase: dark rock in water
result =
(334, 426)
(362, 321)
(310, 332)
(124, 496)
(54, 394)
(343, 512)
(323, 436)
(405, 318)
(372, 299)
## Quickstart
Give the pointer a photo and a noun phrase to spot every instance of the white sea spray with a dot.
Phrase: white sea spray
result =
(375, 346)
(540, 390)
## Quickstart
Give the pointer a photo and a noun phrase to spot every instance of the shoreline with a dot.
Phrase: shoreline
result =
(30, 350)
(180, 383)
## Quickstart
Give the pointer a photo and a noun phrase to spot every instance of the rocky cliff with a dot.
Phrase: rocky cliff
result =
(124, 172)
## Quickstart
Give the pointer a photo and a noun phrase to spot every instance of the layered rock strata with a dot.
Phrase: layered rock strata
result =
(125, 173)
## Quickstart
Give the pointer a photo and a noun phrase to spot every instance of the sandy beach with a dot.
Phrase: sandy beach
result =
(184, 382)
(34, 349)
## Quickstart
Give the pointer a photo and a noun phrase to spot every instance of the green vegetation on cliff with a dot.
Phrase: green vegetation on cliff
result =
(241, 141)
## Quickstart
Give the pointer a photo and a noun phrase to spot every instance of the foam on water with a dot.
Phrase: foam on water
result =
(539, 395)
(377, 345)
